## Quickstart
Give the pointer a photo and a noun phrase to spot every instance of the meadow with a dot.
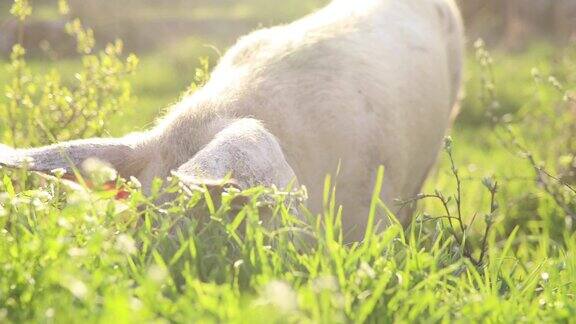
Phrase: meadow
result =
(492, 240)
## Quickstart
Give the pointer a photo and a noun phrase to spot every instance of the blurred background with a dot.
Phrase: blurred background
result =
(147, 25)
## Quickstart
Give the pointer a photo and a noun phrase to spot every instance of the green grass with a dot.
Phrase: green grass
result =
(70, 255)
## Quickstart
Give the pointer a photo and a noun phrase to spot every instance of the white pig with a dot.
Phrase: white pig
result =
(357, 84)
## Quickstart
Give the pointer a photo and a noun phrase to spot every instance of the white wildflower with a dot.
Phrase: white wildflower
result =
(281, 295)
(99, 171)
(134, 183)
(157, 274)
(126, 244)
(59, 172)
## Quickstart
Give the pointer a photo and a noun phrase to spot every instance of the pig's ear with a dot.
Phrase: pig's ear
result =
(127, 155)
(243, 155)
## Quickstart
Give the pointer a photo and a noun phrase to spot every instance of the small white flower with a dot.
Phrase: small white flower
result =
(281, 295)
(135, 303)
(238, 263)
(542, 302)
(126, 244)
(157, 274)
(99, 171)
(77, 252)
(325, 283)
(479, 43)
(135, 183)
(59, 172)
(76, 287)
(366, 271)
(49, 313)
(64, 223)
